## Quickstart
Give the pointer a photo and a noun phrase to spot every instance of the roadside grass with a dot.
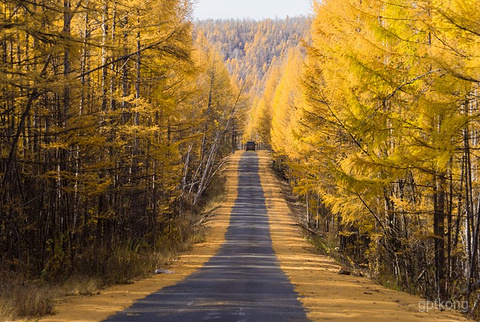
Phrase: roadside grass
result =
(215, 195)
(19, 299)
(323, 241)
(25, 298)
(327, 242)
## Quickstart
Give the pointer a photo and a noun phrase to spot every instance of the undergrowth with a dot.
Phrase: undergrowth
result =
(25, 297)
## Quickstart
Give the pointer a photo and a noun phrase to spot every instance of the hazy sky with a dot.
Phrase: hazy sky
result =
(255, 9)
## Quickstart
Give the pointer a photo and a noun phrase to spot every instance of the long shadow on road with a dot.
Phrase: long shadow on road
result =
(243, 282)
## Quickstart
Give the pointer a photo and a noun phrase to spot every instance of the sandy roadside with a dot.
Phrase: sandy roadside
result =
(324, 293)
(117, 298)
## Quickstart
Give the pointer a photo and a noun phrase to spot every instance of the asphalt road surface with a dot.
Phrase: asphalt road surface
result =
(242, 282)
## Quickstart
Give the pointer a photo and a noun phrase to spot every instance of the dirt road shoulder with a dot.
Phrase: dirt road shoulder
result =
(117, 298)
(324, 293)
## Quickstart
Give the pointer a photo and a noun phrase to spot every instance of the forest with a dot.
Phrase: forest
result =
(375, 122)
(116, 116)
(113, 123)
(251, 47)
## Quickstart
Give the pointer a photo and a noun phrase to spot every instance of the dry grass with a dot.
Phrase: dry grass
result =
(21, 298)
(25, 300)
(216, 212)
(80, 285)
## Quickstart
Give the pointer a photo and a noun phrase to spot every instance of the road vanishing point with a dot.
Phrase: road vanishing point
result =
(253, 266)
(242, 282)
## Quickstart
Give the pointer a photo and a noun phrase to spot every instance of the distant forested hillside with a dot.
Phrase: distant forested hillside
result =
(251, 47)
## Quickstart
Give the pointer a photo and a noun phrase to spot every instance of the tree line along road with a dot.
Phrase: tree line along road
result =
(264, 270)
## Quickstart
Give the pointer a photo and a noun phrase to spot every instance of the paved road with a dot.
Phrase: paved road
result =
(243, 282)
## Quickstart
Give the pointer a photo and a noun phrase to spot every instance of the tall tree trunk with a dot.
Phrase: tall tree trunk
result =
(104, 54)
(439, 232)
(113, 66)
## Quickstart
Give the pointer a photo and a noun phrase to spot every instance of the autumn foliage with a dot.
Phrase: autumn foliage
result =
(116, 115)
(113, 123)
(376, 120)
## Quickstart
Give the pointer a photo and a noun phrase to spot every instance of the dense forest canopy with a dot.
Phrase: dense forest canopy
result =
(250, 47)
(253, 51)
(116, 115)
(375, 124)
(113, 124)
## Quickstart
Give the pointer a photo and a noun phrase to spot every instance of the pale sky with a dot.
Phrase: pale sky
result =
(254, 9)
